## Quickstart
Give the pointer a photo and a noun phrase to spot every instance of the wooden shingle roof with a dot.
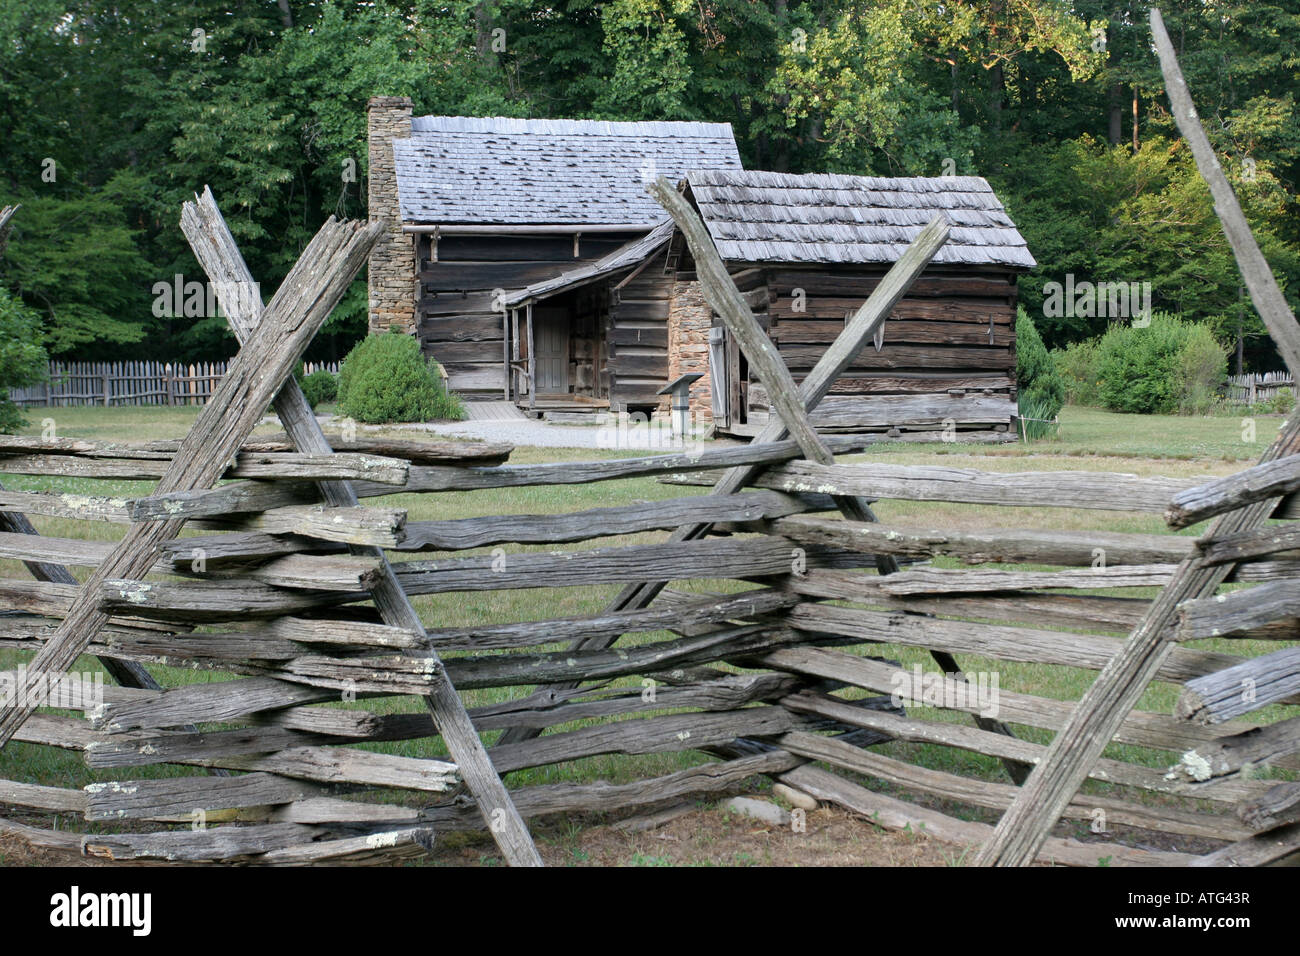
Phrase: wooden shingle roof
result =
(823, 218)
(628, 256)
(498, 171)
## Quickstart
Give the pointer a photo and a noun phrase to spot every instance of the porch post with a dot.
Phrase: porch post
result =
(532, 361)
(505, 349)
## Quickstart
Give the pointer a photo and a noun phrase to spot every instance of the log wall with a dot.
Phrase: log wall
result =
(457, 324)
(949, 347)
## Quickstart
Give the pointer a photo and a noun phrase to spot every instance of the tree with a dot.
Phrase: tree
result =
(22, 360)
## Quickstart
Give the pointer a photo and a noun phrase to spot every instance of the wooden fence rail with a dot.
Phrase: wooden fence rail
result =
(130, 383)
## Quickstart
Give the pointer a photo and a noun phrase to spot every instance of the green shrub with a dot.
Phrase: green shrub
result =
(1282, 403)
(1166, 367)
(1037, 380)
(386, 379)
(1202, 368)
(22, 358)
(320, 387)
(1077, 363)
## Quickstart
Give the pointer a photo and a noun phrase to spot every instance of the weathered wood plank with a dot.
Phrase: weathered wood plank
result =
(601, 796)
(819, 282)
(1235, 755)
(1241, 688)
(1159, 731)
(706, 558)
(1031, 645)
(364, 526)
(1251, 544)
(215, 844)
(893, 814)
(221, 600)
(1278, 807)
(387, 674)
(320, 572)
(505, 670)
(201, 703)
(891, 411)
(14, 793)
(570, 473)
(174, 796)
(922, 382)
(376, 849)
(1270, 479)
(1001, 545)
(909, 728)
(893, 357)
(1084, 612)
(462, 533)
(1278, 846)
(791, 330)
(343, 765)
(265, 466)
(1031, 489)
(433, 451)
(379, 527)
(665, 734)
(1238, 612)
(684, 618)
(237, 549)
(312, 572)
(948, 581)
(998, 796)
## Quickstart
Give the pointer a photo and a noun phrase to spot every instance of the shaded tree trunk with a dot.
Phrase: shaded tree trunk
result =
(1135, 119)
(1241, 328)
(998, 86)
(1115, 134)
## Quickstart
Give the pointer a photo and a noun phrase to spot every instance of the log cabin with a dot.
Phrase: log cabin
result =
(526, 255)
(807, 250)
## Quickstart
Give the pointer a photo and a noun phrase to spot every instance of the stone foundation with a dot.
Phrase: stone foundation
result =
(391, 273)
(689, 320)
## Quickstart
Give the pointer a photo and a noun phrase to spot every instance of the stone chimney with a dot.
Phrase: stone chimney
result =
(392, 261)
(689, 320)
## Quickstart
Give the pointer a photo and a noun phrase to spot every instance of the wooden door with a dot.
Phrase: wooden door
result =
(719, 379)
(551, 339)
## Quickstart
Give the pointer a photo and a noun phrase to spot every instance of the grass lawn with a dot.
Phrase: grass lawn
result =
(1089, 439)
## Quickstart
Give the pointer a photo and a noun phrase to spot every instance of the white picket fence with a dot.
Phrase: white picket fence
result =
(130, 383)
(1258, 387)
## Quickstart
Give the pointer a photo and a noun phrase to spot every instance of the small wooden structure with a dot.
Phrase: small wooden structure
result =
(806, 250)
(556, 208)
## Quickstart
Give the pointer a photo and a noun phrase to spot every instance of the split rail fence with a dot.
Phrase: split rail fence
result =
(784, 666)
